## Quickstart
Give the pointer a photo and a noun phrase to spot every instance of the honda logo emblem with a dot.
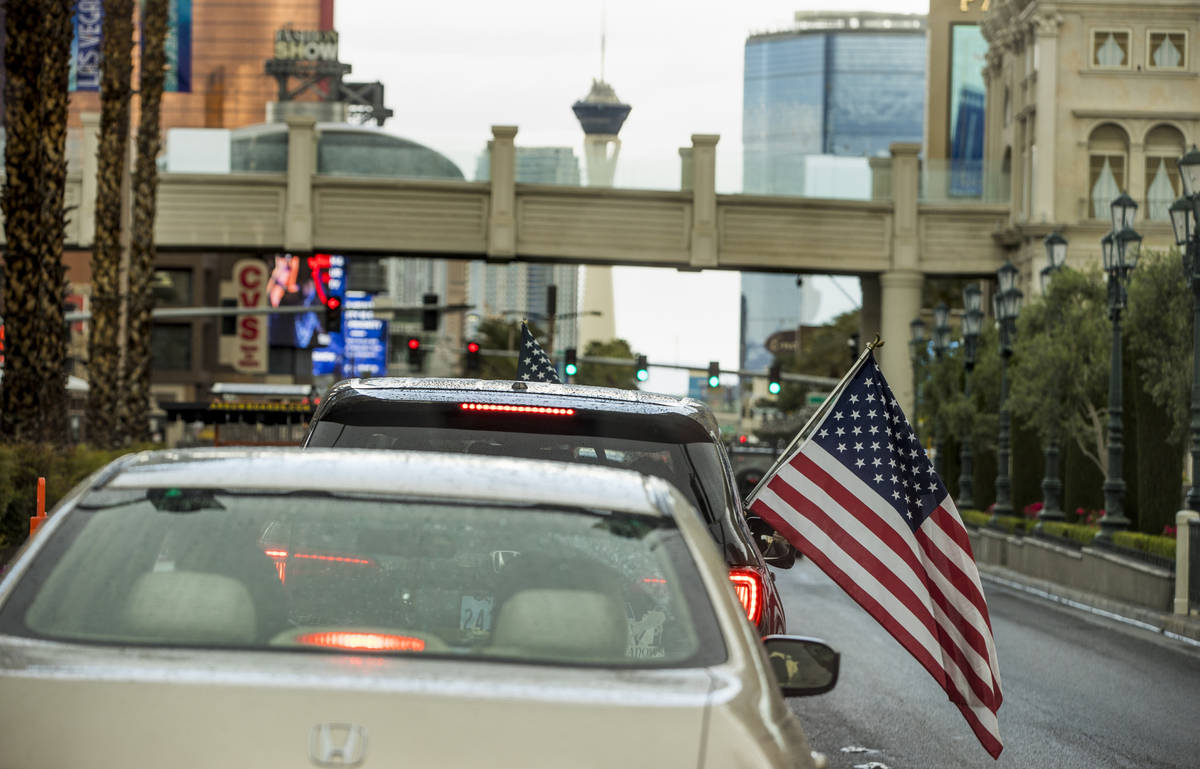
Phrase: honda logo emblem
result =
(338, 745)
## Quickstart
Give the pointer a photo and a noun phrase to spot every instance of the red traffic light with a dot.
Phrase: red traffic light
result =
(414, 343)
(472, 346)
(333, 302)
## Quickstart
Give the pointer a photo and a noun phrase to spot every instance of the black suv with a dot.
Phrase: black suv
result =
(673, 438)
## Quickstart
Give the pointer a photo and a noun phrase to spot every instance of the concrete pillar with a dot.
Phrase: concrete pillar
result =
(901, 290)
(1182, 564)
(1017, 177)
(85, 215)
(302, 164)
(1135, 176)
(502, 218)
(900, 287)
(1046, 125)
(704, 201)
(905, 181)
(870, 317)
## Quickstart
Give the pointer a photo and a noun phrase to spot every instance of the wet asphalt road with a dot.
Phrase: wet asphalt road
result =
(1079, 690)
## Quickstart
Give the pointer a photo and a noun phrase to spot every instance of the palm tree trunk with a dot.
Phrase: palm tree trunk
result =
(20, 389)
(104, 393)
(141, 256)
(53, 336)
(33, 395)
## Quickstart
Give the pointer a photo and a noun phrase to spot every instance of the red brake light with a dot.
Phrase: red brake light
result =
(747, 583)
(337, 558)
(373, 642)
(548, 410)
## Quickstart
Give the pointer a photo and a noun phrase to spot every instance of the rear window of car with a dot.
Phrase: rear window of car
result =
(669, 446)
(366, 574)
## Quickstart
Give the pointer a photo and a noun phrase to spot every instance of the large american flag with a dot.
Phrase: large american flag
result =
(533, 364)
(860, 498)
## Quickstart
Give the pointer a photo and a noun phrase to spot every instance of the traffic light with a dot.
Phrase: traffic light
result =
(414, 352)
(642, 371)
(571, 368)
(429, 315)
(472, 357)
(714, 374)
(773, 377)
(333, 315)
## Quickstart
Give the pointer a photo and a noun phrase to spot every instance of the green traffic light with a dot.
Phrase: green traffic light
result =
(642, 375)
(774, 388)
(714, 381)
(572, 369)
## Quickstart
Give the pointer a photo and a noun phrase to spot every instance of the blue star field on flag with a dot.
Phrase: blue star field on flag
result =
(869, 434)
(533, 365)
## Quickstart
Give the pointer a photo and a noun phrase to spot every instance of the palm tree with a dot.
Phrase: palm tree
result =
(141, 251)
(104, 393)
(33, 395)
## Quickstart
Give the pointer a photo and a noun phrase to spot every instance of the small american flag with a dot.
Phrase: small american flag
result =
(863, 502)
(533, 365)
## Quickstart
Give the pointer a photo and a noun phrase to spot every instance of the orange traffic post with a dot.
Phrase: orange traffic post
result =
(36, 521)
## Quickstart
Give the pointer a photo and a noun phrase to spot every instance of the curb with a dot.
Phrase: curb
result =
(1174, 626)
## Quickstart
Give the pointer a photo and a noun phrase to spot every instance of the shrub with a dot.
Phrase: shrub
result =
(1073, 531)
(22, 465)
(1164, 547)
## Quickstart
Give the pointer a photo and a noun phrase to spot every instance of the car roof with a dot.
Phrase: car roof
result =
(506, 391)
(405, 473)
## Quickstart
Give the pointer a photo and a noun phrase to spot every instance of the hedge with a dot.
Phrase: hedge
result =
(1164, 547)
(22, 465)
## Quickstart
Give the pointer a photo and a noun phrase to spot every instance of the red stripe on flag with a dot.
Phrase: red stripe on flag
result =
(988, 738)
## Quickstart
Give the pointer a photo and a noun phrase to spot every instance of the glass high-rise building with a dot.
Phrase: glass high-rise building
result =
(819, 99)
(844, 84)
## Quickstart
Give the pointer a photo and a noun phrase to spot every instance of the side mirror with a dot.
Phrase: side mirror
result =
(776, 550)
(803, 666)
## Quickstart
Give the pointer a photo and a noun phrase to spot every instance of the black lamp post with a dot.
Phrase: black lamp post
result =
(1056, 256)
(1121, 250)
(971, 324)
(917, 344)
(941, 343)
(1185, 213)
(1007, 305)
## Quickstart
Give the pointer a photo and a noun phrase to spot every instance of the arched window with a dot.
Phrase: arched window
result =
(1164, 146)
(1108, 151)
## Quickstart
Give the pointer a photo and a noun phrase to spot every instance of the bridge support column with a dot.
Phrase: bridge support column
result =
(901, 303)
(302, 164)
(502, 217)
(704, 201)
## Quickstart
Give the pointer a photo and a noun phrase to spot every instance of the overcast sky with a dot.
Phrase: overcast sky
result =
(453, 69)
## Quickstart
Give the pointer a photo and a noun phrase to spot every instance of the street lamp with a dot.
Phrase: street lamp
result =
(918, 344)
(971, 323)
(1121, 250)
(941, 343)
(1185, 213)
(1056, 256)
(1006, 303)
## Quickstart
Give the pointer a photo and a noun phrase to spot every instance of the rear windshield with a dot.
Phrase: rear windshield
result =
(364, 574)
(669, 446)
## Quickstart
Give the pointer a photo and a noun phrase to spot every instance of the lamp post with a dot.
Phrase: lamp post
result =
(1056, 256)
(917, 344)
(971, 323)
(1185, 213)
(1007, 305)
(1120, 248)
(941, 342)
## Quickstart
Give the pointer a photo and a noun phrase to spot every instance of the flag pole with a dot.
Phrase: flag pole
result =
(817, 415)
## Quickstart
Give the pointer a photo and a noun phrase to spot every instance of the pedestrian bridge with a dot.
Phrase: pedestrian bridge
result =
(891, 241)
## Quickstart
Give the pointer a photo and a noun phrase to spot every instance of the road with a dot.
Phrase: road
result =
(1079, 690)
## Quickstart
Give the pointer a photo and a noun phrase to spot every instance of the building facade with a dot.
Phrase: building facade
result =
(1085, 101)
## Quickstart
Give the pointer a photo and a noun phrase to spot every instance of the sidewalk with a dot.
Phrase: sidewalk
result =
(1176, 626)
